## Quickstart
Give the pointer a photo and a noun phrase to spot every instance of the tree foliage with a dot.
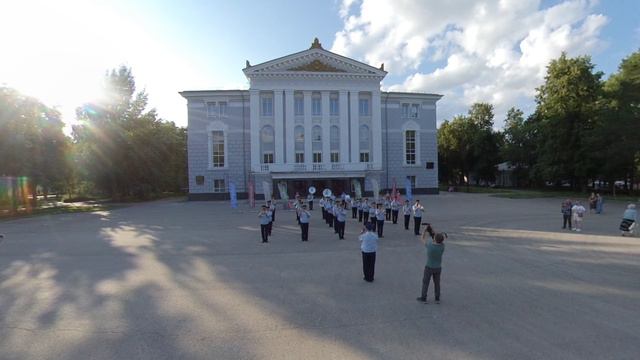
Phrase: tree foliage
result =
(32, 141)
(126, 150)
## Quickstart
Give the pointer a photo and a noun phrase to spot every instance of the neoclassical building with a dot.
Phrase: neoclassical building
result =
(310, 118)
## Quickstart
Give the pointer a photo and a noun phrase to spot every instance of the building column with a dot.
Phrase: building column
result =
(326, 124)
(308, 153)
(278, 120)
(355, 126)
(290, 123)
(343, 107)
(376, 122)
(254, 130)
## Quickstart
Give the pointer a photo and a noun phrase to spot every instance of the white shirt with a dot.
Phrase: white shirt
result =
(417, 210)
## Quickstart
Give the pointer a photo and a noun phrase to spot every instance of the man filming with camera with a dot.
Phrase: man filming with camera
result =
(433, 268)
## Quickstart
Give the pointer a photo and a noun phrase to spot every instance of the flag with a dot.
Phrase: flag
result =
(394, 194)
(233, 194)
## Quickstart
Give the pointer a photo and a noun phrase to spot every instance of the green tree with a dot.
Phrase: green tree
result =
(520, 145)
(125, 149)
(567, 104)
(32, 142)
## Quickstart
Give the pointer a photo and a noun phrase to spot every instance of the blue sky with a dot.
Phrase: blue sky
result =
(492, 51)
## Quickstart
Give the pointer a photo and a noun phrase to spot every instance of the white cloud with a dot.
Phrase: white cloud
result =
(495, 51)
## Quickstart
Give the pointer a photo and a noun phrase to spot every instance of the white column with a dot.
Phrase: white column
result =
(343, 107)
(355, 127)
(308, 154)
(278, 120)
(326, 124)
(376, 121)
(254, 118)
(290, 121)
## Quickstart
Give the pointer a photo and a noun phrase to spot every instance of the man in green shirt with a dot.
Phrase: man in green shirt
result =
(433, 268)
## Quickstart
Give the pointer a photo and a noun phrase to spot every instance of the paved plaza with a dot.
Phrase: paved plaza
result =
(190, 280)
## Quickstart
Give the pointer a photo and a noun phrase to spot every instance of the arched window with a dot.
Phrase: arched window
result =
(365, 143)
(334, 140)
(267, 144)
(298, 134)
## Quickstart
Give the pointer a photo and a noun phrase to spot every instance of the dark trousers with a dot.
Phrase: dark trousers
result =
(407, 218)
(269, 227)
(341, 226)
(365, 216)
(324, 213)
(273, 215)
(368, 265)
(416, 225)
(330, 219)
(394, 216)
(354, 212)
(335, 224)
(566, 219)
(426, 278)
(374, 223)
(360, 215)
(310, 205)
(387, 214)
(380, 227)
(305, 231)
(264, 231)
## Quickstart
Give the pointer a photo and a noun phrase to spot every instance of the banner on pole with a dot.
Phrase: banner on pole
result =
(394, 191)
(407, 186)
(266, 190)
(252, 195)
(233, 193)
(375, 185)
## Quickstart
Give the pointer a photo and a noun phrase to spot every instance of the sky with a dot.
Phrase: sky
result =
(493, 51)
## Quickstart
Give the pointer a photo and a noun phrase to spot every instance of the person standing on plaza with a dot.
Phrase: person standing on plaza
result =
(341, 219)
(372, 214)
(335, 209)
(380, 216)
(578, 212)
(433, 268)
(354, 208)
(272, 206)
(369, 247)
(310, 201)
(328, 208)
(592, 203)
(565, 209)
(406, 211)
(599, 203)
(304, 216)
(395, 208)
(264, 223)
(321, 202)
(387, 207)
(365, 211)
(418, 209)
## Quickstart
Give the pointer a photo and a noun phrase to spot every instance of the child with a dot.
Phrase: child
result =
(578, 214)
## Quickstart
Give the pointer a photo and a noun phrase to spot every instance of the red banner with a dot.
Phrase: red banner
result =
(394, 192)
(252, 198)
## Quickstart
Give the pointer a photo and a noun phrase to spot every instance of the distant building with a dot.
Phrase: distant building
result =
(310, 118)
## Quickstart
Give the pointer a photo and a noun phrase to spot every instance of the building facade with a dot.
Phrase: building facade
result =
(313, 118)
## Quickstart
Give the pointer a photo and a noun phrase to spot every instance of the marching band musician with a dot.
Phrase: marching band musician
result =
(418, 209)
(387, 207)
(365, 211)
(395, 208)
(380, 215)
(341, 219)
(406, 211)
(304, 217)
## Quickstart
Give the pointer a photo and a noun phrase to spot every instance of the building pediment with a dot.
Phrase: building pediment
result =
(314, 61)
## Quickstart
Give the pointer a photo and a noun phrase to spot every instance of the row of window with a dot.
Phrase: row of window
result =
(219, 185)
(266, 106)
(334, 157)
(267, 145)
(215, 109)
